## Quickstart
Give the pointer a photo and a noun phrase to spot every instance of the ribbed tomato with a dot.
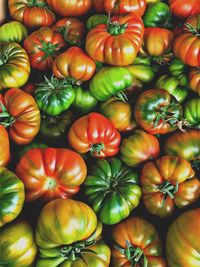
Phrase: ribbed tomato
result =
(184, 9)
(194, 80)
(4, 147)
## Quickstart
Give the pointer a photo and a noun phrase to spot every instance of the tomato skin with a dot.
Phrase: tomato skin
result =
(175, 171)
(67, 8)
(184, 9)
(182, 242)
(140, 234)
(95, 20)
(31, 16)
(11, 235)
(154, 110)
(194, 80)
(23, 109)
(13, 31)
(15, 68)
(138, 148)
(4, 147)
(192, 112)
(54, 173)
(93, 130)
(184, 144)
(118, 49)
(74, 63)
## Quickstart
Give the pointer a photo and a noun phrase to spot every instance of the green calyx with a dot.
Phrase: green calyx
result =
(193, 30)
(115, 28)
(3, 59)
(33, 3)
(161, 60)
(168, 189)
(121, 96)
(49, 49)
(5, 119)
(96, 148)
(134, 254)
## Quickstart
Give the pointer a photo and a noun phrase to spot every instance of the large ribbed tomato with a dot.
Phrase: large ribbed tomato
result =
(50, 173)
(117, 42)
(4, 147)
(184, 9)
(94, 133)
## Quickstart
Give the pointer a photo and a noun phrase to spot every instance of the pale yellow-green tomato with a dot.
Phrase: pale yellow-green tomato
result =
(13, 31)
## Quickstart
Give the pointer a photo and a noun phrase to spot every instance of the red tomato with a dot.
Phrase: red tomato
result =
(4, 147)
(184, 9)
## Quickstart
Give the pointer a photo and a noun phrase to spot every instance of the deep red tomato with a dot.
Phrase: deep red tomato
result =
(32, 13)
(49, 173)
(94, 133)
(4, 147)
(194, 80)
(42, 46)
(184, 9)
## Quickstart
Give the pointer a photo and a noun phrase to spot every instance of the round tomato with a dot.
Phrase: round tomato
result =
(74, 238)
(194, 80)
(183, 243)
(168, 182)
(179, 70)
(50, 173)
(68, 8)
(184, 9)
(4, 147)
(32, 13)
(12, 196)
(158, 112)
(21, 114)
(17, 245)
(74, 63)
(117, 42)
(13, 31)
(138, 148)
(136, 243)
(94, 133)
(192, 112)
(14, 65)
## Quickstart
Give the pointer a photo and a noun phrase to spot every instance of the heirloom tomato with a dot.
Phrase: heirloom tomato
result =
(168, 182)
(72, 30)
(192, 113)
(71, 237)
(42, 46)
(34, 144)
(110, 81)
(12, 196)
(17, 245)
(136, 243)
(13, 31)
(21, 114)
(4, 147)
(32, 13)
(112, 189)
(194, 80)
(179, 70)
(138, 148)
(183, 242)
(158, 112)
(117, 42)
(14, 65)
(94, 133)
(186, 45)
(184, 9)
(68, 8)
(75, 63)
(49, 173)
(3, 10)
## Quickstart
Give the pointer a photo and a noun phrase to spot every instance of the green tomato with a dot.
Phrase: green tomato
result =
(95, 20)
(13, 31)
(179, 70)
(192, 112)
(112, 189)
(110, 81)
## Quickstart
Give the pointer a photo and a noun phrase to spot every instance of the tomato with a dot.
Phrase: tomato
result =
(112, 189)
(184, 9)
(184, 144)
(13, 31)
(30, 146)
(68, 8)
(163, 38)
(2, 11)
(179, 70)
(74, 63)
(117, 42)
(192, 112)
(138, 148)
(110, 81)
(119, 113)
(50, 173)
(54, 96)
(168, 182)
(4, 147)
(121, 6)
(72, 30)
(17, 245)
(21, 115)
(183, 243)
(95, 20)
(194, 80)
(53, 128)
(172, 86)
(42, 46)
(157, 112)
(136, 243)
(14, 65)
(65, 245)
(94, 133)
(186, 45)
(32, 13)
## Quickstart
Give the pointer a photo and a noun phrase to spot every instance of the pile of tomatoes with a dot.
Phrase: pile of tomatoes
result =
(99, 133)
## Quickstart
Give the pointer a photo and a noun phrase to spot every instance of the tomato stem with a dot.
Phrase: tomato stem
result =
(114, 27)
(33, 3)
(5, 119)
(96, 148)
(121, 96)
(192, 29)
(48, 48)
(3, 59)
(167, 188)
